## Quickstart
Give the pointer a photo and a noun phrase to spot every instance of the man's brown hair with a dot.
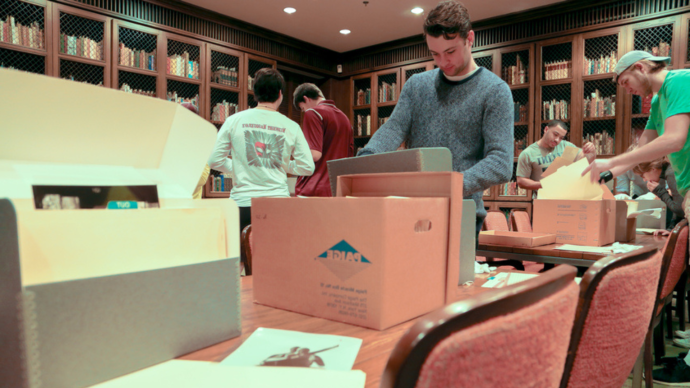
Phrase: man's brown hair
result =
(660, 163)
(450, 19)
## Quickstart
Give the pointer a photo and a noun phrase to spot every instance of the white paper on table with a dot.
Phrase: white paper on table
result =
(568, 183)
(645, 230)
(199, 374)
(273, 347)
(656, 213)
(506, 279)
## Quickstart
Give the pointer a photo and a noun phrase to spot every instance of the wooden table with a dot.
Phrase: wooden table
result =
(547, 253)
(376, 345)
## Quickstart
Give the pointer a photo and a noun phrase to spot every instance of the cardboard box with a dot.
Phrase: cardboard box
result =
(516, 239)
(412, 160)
(101, 293)
(651, 222)
(577, 222)
(372, 260)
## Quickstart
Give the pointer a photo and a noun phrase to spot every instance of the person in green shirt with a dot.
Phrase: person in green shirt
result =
(666, 133)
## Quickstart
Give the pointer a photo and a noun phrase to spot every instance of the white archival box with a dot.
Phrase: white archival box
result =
(60, 132)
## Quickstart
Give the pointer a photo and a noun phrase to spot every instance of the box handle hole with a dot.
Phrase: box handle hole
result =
(422, 226)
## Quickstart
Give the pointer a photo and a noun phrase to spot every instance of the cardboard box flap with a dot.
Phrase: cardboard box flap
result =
(90, 135)
(568, 157)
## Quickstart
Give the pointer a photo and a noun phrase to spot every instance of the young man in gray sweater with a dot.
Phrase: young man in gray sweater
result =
(465, 108)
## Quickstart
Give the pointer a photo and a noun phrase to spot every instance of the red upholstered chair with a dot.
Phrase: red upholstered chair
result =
(247, 246)
(673, 271)
(509, 337)
(616, 302)
(519, 221)
(496, 220)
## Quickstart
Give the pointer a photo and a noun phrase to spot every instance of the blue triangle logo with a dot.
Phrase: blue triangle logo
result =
(343, 246)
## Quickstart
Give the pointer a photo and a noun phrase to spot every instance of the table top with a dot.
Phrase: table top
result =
(376, 345)
(549, 251)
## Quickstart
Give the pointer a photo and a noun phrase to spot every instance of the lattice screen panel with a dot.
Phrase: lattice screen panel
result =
(601, 54)
(485, 61)
(81, 36)
(137, 83)
(81, 72)
(655, 40)
(602, 133)
(384, 113)
(362, 122)
(511, 188)
(360, 142)
(183, 59)
(555, 102)
(557, 61)
(253, 67)
(225, 69)
(362, 93)
(28, 20)
(180, 92)
(387, 86)
(22, 61)
(599, 100)
(515, 67)
(137, 49)
(410, 72)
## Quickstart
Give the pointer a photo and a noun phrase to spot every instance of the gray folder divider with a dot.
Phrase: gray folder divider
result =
(413, 160)
(651, 222)
(468, 248)
(81, 332)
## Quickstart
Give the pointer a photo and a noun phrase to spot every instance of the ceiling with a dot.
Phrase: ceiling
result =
(319, 21)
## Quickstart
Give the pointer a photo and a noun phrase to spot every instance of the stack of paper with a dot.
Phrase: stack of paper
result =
(569, 183)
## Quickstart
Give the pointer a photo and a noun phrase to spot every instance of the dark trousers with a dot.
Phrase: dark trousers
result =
(245, 219)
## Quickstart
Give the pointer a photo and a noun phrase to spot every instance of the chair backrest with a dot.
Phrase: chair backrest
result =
(491, 339)
(247, 246)
(674, 262)
(519, 221)
(614, 311)
(495, 220)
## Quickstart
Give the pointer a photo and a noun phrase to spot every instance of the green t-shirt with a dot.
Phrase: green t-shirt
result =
(534, 160)
(674, 98)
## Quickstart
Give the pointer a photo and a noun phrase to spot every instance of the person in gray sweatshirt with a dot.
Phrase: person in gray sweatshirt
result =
(460, 106)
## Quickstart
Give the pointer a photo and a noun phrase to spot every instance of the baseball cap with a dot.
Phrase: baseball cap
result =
(630, 58)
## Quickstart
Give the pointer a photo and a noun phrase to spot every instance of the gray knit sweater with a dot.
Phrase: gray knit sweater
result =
(473, 118)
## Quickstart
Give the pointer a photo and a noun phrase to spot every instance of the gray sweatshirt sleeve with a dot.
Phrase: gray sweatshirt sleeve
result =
(673, 201)
(497, 165)
(394, 131)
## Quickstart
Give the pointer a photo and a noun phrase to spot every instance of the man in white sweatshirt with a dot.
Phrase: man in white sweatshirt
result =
(261, 142)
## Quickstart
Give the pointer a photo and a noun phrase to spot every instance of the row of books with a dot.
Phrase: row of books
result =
(598, 106)
(386, 92)
(363, 126)
(662, 50)
(81, 46)
(222, 183)
(363, 97)
(516, 75)
(642, 105)
(225, 76)
(182, 66)
(71, 78)
(519, 112)
(520, 145)
(557, 70)
(137, 58)
(512, 189)
(174, 97)
(128, 89)
(250, 82)
(601, 65)
(16, 33)
(603, 143)
(555, 110)
(382, 120)
(223, 110)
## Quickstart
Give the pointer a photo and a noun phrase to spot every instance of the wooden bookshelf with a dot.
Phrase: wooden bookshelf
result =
(149, 40)
(34, 59)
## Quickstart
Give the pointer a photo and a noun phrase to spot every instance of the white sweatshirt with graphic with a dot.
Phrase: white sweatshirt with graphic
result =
(260, 143)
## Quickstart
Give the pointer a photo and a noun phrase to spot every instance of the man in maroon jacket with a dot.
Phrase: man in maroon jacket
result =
(329, 134)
